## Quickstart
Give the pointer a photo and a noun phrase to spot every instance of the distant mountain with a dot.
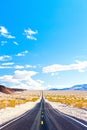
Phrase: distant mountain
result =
(58, 88)
(75, 87)
(6, 90)
(54, 89)
(79, 87)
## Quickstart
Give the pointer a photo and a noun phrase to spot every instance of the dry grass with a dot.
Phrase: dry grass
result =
(72, 98)
(11, 100)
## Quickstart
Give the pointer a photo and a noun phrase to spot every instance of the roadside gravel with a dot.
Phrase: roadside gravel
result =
(11, 113)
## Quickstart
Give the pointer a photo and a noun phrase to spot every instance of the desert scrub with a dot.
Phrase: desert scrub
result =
(2, 104)
(13, 102)
(72, 100)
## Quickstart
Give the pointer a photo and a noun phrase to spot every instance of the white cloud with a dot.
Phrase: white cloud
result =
(24, 74)
(25, 66)
(40, 81)
(18, 67)
(5, 67)
(54, 74)
(9, 79)
(5, 58)
(22, 79)
(22, 53)
(16, 43)
(30, 66)
(4, 32)
(10, 65)
(7, 63)
(81, 66)
(3, 43)
(30, 34)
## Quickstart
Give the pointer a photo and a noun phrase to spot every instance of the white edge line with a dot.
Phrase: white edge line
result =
(73, 119)
(13, 120)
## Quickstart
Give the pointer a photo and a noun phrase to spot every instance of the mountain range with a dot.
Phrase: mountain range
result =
(7, 90)
(75, 87)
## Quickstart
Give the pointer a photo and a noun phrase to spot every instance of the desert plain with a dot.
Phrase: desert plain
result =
(73, 103)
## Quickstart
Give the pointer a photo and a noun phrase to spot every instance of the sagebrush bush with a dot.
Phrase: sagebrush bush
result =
(80, 102)
(16, 101)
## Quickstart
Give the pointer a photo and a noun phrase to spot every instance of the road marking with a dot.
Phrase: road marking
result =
(73, 119)
(13, 120)
(41, 122)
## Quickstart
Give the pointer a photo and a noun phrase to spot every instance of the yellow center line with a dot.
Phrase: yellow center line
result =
(41, 122)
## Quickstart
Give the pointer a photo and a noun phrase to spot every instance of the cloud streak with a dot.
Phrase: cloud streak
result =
(22, 53)
(3, 43)
(5, 58)
(16, 43)
(7, 63)
(30, 34)
(80, 66)
(4, 32)
(12, 65)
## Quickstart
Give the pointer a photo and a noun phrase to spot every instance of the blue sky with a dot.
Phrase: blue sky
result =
(43, 44)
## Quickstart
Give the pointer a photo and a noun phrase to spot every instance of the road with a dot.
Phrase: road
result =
(44, 117)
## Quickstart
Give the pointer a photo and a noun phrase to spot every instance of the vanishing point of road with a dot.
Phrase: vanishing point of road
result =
(44, 117)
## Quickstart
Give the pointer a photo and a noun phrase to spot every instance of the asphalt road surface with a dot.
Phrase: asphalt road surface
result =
(44, 117)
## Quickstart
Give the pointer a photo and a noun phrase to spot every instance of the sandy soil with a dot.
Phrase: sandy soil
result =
(67, 109)
(10, 113)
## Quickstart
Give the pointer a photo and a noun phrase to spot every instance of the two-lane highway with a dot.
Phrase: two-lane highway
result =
(44, 117)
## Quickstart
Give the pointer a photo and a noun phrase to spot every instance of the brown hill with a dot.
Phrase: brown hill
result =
(6, 90)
